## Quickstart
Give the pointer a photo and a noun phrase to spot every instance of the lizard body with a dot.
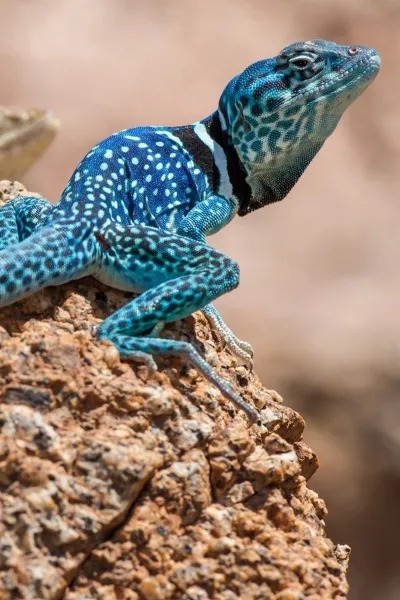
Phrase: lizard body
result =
(138, 208)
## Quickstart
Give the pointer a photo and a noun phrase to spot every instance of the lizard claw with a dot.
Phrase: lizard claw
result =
(239, 348)
(145, 358)
(229, 340)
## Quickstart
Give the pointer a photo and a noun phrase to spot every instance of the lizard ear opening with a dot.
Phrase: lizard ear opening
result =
(245, 124)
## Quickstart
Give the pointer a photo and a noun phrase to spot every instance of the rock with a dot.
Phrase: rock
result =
(116, 484)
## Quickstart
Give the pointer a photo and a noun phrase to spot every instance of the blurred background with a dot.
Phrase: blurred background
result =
(320, 287)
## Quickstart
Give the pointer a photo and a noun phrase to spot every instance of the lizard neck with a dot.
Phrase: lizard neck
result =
(253, 185)
(235, 170)
(208, 145)
(250, 185)
(257, 184)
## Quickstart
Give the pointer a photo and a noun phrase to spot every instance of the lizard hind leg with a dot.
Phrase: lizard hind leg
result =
(183, 276)
(50, 256)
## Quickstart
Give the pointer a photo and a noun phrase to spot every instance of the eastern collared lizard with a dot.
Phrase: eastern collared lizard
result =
(136, 212)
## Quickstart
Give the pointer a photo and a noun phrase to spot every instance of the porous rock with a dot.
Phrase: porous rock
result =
(120, 485)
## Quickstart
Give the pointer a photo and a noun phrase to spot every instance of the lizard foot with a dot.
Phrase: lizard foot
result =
(141, 348)
(137, 355)
(238, 347)
(144, 357)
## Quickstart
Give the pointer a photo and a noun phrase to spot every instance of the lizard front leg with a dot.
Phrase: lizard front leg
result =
(206, 218)
(179, 276)
(237, 346)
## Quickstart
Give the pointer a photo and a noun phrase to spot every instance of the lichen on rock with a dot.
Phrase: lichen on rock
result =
(118, 485)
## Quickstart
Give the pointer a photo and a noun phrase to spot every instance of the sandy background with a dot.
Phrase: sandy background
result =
(320, 289)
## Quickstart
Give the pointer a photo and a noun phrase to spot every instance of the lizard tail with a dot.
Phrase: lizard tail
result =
(50, 256)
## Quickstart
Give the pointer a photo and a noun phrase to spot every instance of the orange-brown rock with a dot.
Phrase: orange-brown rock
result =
(118, 485)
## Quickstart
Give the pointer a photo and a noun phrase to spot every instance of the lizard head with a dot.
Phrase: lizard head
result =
(279, 111)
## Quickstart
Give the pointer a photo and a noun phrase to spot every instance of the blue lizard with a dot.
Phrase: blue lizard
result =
(137, 209)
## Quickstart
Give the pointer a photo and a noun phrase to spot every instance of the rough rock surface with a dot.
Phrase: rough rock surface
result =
(116, 485)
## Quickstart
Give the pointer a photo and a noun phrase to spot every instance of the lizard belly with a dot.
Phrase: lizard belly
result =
(135, 280)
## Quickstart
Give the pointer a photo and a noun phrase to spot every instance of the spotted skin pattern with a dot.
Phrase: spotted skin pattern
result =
(138, 208)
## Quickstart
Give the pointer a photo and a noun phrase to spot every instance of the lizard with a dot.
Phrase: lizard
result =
(24, 136)
(138, 208)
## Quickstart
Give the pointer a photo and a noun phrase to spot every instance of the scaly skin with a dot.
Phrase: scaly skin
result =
(136, 211)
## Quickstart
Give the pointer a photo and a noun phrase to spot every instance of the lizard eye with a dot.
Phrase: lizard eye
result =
(300, 63)
(353, 50)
